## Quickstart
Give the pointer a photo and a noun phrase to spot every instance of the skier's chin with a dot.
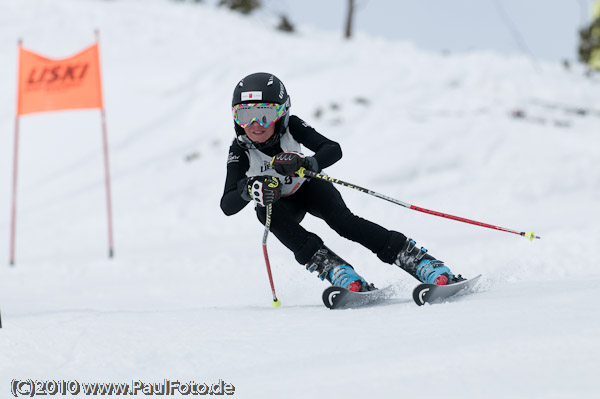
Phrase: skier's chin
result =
(259, 137)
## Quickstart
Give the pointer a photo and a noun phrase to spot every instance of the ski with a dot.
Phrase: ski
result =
(341, 298)
(431, 293)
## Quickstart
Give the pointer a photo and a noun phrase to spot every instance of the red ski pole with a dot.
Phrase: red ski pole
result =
(302, 172)
(276, 302)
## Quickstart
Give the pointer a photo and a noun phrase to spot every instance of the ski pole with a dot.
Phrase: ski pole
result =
(276, 302)
(302, 172)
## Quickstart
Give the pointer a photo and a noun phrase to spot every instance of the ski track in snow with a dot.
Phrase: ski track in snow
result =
(187, 295)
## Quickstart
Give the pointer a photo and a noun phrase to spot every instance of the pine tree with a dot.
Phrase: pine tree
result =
(243, 6)
(589, 44)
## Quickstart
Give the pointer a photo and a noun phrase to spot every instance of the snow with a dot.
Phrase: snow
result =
(187, 296)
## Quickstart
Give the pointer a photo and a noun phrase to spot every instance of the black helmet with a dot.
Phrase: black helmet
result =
(261, 87)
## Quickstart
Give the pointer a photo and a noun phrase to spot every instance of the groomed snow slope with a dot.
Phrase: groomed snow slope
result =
(187, 296)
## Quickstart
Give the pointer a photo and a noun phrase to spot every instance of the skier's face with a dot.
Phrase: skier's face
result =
(259, 134)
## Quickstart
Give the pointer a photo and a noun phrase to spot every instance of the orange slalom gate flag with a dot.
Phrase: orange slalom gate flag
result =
(51, 85)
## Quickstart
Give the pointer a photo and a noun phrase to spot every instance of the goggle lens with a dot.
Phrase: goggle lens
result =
(263, 113)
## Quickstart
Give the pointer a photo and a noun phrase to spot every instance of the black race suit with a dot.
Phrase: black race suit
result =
(317, 197)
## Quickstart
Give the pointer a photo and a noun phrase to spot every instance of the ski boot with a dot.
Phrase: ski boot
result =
(337, 271)
(424, 267)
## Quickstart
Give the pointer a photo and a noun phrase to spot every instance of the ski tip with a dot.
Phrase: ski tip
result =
(430, 293)
(329, 296)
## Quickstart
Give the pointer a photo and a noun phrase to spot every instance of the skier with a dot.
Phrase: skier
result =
(262, 164)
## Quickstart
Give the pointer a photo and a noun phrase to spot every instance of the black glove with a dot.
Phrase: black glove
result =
(288, 163)
(262, 189)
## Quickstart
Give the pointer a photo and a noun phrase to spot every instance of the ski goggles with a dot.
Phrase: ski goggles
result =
(263, 113)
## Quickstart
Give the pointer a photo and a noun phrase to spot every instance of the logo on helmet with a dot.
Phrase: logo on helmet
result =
(281, 91)
(251, 95)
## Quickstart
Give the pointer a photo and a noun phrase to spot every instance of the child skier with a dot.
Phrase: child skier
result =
(261, 167)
